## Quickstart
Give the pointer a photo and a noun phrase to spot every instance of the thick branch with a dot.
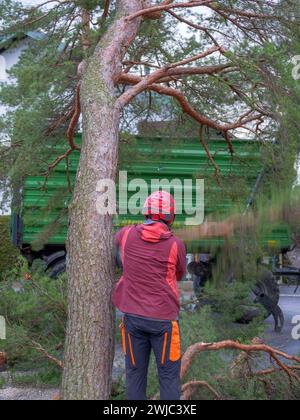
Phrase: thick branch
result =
(164, 7)
(187, 107)
(154, 77)
(157, 14)
(174, 73)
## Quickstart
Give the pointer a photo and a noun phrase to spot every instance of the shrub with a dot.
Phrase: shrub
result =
(36, 313)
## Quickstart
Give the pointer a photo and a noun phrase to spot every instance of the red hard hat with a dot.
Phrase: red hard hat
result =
(160, 206)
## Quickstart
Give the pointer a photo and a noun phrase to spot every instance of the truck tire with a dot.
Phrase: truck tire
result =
(57, 269)
(56, 265)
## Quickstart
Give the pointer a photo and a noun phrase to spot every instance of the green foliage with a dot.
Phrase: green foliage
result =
(8, 253)
(35, 311)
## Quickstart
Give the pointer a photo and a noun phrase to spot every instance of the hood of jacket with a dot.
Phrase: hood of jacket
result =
(154, 232)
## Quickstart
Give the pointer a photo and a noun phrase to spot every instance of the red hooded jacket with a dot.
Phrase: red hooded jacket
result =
(153, 261)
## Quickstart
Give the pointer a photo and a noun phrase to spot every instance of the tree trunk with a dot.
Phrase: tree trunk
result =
(89, 348)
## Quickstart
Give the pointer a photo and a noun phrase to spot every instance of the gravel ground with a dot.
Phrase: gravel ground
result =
(27, 394)
(12, 393)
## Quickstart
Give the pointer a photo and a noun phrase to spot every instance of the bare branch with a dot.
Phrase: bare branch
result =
(105, 11)
(209, 155)
(175, 74)
(187, 107)
(58, 160)
(86, 39)
(74, 120)
(196, 57)
(243, 13)
(159, 74)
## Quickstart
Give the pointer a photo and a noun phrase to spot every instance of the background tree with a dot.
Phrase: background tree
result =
(209, 67)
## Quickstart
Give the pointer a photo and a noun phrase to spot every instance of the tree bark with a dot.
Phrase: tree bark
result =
(89, 349)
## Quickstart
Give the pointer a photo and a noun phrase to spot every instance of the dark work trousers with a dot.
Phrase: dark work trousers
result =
(139, 337)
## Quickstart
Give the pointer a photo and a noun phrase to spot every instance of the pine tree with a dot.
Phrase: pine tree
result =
(89, 50)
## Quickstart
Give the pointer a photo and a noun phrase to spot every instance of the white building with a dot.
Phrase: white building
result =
(11, 49)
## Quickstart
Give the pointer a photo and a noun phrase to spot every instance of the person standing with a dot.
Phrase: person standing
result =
(153, 261)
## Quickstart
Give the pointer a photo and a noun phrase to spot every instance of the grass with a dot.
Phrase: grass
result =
(48, 378)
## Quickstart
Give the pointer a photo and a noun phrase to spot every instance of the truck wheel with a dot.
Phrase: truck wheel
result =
(57, 269)
(56, 264)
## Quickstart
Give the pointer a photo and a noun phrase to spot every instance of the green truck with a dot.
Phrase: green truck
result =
(39, 229)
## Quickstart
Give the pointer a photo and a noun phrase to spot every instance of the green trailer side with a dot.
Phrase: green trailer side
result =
(44, 219)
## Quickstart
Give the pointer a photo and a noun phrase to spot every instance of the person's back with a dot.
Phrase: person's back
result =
(153, 261)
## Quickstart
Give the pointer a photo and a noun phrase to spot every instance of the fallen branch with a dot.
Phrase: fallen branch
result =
(267, 372)
(189, 389)
(275, 355)
(52, 359)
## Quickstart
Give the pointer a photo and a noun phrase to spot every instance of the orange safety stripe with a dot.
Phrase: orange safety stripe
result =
(131, 351)
(175, 351)
(164, 348)
(122, 326)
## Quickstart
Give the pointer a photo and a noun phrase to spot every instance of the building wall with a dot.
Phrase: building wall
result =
(8, 59)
